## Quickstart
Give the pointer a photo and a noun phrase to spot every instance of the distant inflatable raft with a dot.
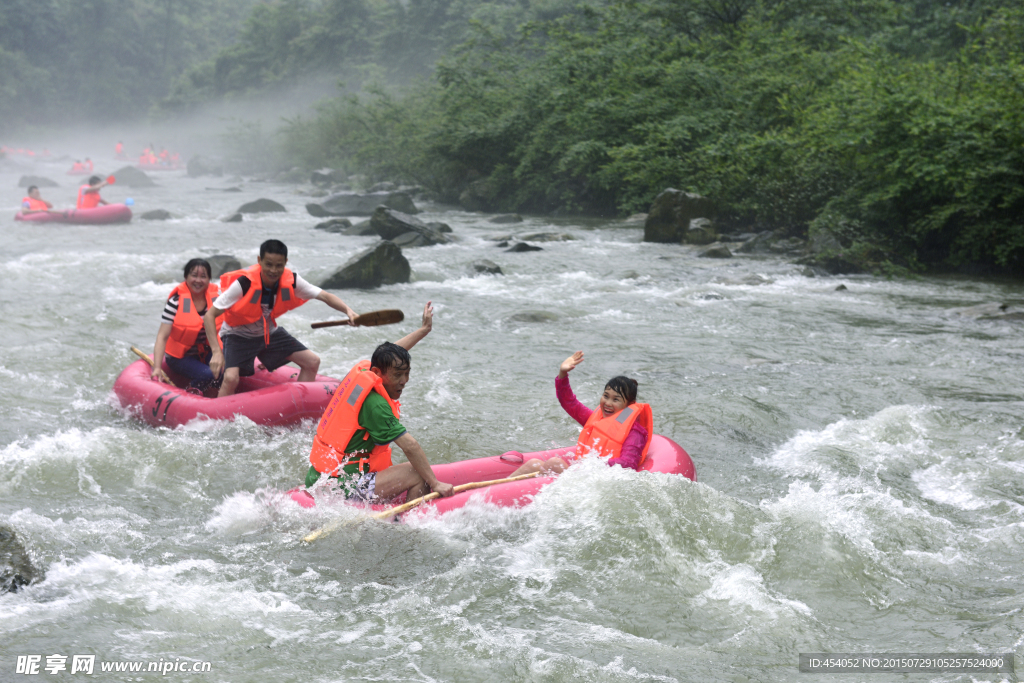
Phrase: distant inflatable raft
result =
(108, 214)
(665, 456)
(266, 398)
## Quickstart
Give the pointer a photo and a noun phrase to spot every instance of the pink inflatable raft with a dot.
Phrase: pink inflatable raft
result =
(665, 456)
(101, 215)
(266, 398)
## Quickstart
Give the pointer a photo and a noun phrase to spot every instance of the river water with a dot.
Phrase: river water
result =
(859, 455)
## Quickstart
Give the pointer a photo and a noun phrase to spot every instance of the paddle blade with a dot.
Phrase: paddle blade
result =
(388, 316)
(110, 180)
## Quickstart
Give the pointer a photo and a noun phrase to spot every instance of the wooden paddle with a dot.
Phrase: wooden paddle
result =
(388, 316)
(328, 528)
(163, 375)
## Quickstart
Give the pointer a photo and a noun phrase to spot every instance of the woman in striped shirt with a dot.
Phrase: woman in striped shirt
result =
(181, 340)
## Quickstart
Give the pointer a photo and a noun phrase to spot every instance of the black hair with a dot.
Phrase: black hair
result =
(95, 180)
(389, 355)
(624, 387)
(198, 262)
(30, 188)
(273, 247)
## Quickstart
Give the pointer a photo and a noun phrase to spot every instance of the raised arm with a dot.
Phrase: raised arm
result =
(410, 340)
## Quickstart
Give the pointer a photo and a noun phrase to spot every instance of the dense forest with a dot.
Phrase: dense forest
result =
(66, 61)
(896, 128)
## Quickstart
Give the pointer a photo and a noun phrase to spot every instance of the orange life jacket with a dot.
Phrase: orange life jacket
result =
(34, 204)
(78, 166)
(118, 148)
(187, 321)
(341, 421)
(248, 309)
(88, 200)
(605, 435)
(90, 165)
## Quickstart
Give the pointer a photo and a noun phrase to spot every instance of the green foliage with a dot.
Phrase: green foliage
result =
(902, 122)
(69, 60)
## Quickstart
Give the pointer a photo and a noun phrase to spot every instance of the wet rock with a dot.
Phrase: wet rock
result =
(700, 232)
(130, 176)
(37, 180)
(224, 189)
(671, 213)
(480, 195)
(533, 317)
(384, 186)
(362, 229)
(814, 271)
(629, 275)
(749, 280)
(547, 237)
(520, 247)
(233, 218)
(990, 311)
(789, 245)
(835, 264)
(336, 225)
(507, 218)
(348, 204)
(156, 215)
(261, 206)
(758, 244)
(486, 266)
(502, 244)
(411, 239)
(440, 227)
(382, 264)
(716, 251)
(200, 166)
(16, 568)
(293, 175)
(391, 224)
(223, 263)
(840, 288)
(823, 241)
(318, 211)
(326, 177)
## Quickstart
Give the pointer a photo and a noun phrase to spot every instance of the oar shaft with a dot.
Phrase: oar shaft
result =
(458, 489)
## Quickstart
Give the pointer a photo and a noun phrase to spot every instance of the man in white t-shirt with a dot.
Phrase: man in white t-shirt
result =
(251, 300)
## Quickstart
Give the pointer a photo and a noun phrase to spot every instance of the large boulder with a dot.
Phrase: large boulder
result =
(200, 166)
(520, 247)
(717, 250)
(669, 217)
(480, 195)
(700, 231)
(223, 263)
(16, 568)
(261, 206)
(382, 264)
(325, 177)
(37, 180)
(391, 224)
(485, 266)
(337, 225)
(156, 215)
(132, 177)
(547, 237)
(349, 204)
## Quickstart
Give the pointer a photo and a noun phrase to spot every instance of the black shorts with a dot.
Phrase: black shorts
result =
(240, 352)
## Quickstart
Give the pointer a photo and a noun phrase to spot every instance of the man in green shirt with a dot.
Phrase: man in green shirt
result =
(378, 426)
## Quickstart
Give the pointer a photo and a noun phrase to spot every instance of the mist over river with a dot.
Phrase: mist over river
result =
(859, 458)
